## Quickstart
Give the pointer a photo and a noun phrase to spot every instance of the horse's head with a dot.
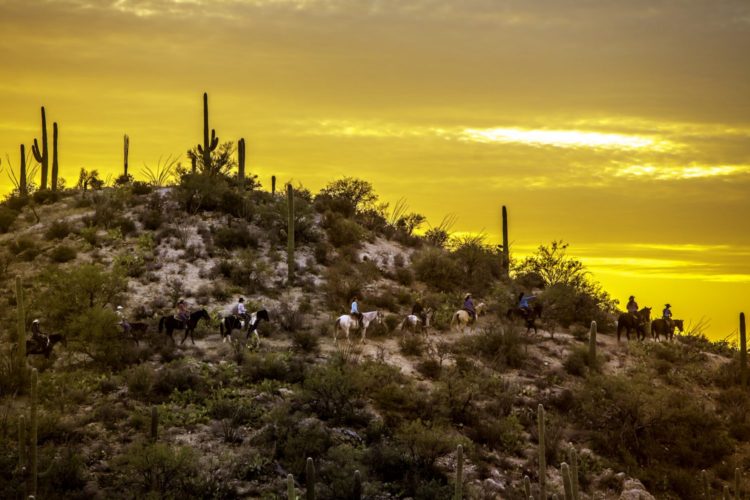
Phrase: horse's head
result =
(645, 313)
(202, 314)
(379, 317)
(679, 324)
(263, 314)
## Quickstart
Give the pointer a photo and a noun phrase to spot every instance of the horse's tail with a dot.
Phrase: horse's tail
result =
(161, 324)
(454, 319)
(402, 325)
(337, 324)
(221, 328)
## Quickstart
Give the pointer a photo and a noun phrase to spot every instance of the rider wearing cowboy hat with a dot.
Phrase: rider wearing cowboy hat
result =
(632, 307)
(666, 314)
(123, 322)
(469, 307)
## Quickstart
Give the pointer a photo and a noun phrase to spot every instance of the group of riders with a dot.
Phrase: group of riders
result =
(239, 311)
(666, 314)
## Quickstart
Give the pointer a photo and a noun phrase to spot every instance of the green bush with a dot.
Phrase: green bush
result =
(412, 345)
(58, 230)
(343, 232)
(7, 217)
(437, 269)
(334, 390)
(237, 236)
(63, 253)
(172, 471)
(140, 381)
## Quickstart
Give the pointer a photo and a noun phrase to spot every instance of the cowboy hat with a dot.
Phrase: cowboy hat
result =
(667, 305)
(119, 308)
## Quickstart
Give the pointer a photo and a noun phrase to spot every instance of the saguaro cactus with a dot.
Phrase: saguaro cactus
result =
(42, 155)
(53, 181)
(273, 184)
(542, 452)
(22, 443)
(290, 234)
(458, 494)
(154, 423)
(573, 459)
(33, 437)
(506, 245)
(310, 479)
(526, 486)
(241, 160)
(23, 189)
(737, 484)
(126, 150)
(21, 325)
(743, 351)
(567, 482)
(592, 345)
(209, 145)
(706, 485)
(357, 493)
(290, 493)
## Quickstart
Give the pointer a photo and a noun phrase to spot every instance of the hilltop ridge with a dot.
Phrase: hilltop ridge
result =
(235, 417)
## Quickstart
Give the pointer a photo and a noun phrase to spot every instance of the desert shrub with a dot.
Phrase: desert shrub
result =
(306, 341)
(63, 253)
(140, 381)
(342, 283)
(505, 434)
(342, 232)
(500, 345)
(171, 471)
(126, 226)
(334, 391)
(289, 317)
(437, 269)
(336, 471)
(412, 345)
(130, 264)
(293, 437)
(404, 276)
(249, 271)
(58, 230)
(65, 476)
(477, 262)
(653, 428)
(425, 442)
(236, 236)
(179, 376)
(44, 196)
(24, 247)
(90, 235)
(430, 368)
(152, 219)
(7, 217)
(257, 367)
(578, 363)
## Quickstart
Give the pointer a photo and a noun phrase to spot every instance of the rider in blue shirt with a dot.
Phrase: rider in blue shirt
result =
(469, 307)
(666, 314)
(354, 313)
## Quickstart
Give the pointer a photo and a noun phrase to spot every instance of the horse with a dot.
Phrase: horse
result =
(346, 322)
(481, 309)
(415, 324)
(528, 315)
(171, 324)
(660, 326)
(627, 322)
(46, 349)
(462, 319)
(135, 328)
(232, 322)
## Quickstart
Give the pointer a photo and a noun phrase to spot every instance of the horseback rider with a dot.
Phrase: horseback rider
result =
(469, 307)
(523, 303)
(37, 337)
(123, 322)
(239, 310)
(183, 313)
(354, 313)
(418, 311)
(666, 315)
(633, 308)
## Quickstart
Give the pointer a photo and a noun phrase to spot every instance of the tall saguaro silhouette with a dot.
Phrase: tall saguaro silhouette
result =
(209, 145)
(506, 245)
(42, 155)
(53, 180)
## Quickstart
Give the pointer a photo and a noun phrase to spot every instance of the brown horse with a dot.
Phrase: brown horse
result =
(627, 322)
(660, 326)
(137, 329)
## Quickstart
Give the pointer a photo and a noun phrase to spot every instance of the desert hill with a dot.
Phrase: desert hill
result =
(642, 419)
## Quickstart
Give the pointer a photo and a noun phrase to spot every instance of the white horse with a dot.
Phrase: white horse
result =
(347, 322)
(461, 319)
(414, 323)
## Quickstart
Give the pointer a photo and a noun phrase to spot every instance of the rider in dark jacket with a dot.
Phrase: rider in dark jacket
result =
(37, 337)
(469, 307)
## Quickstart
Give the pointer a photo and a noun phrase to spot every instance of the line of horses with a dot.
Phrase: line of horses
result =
(640, 321)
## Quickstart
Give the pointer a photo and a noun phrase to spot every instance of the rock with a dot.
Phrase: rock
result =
(633, 489)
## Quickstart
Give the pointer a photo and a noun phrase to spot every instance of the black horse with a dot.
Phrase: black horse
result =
(233, 322)
(171, 324)
(528, 315)
(628, 322)
(48, 343)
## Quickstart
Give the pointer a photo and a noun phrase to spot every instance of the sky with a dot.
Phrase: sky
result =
(619, 126)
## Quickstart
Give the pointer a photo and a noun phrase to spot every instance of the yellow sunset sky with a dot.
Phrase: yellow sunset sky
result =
(621, 127)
